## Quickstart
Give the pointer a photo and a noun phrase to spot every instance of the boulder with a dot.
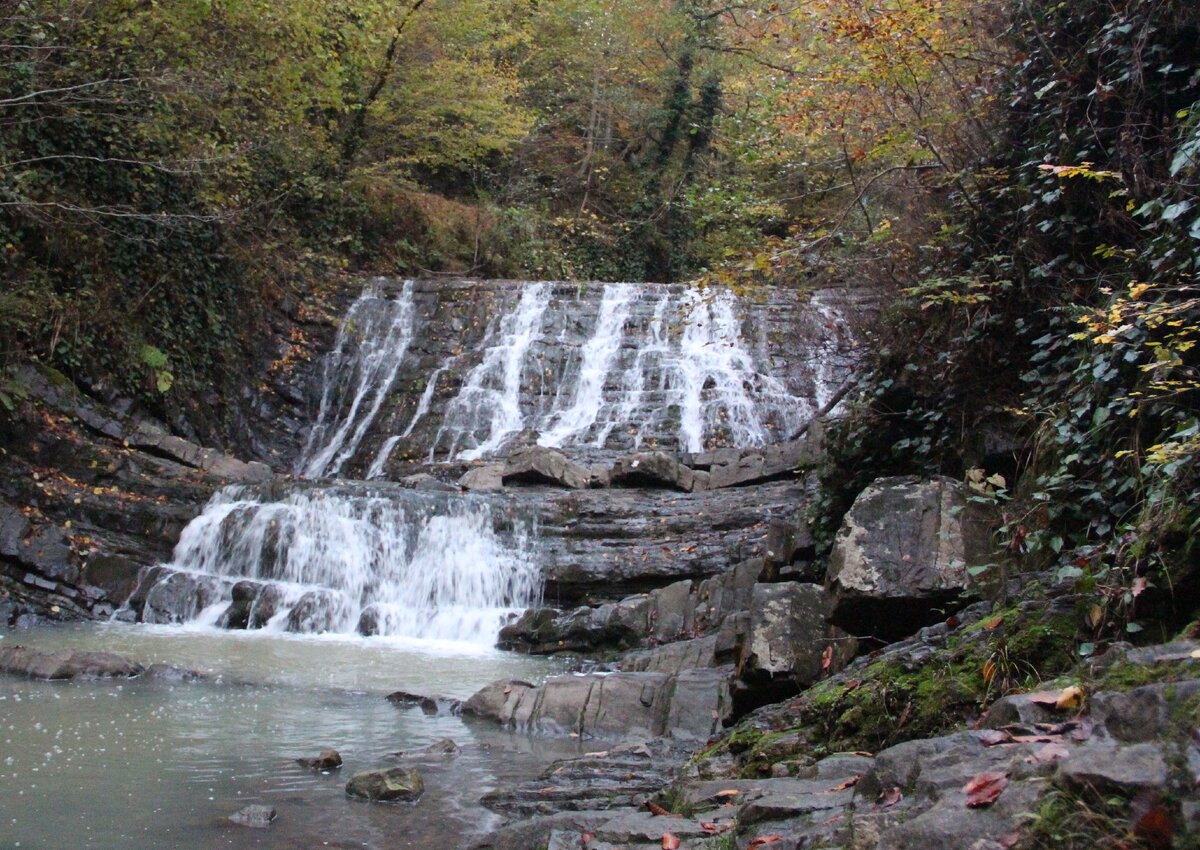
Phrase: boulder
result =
(484, 479)
(903, 553)
(610, 705)
(66, 664)
(316, 612)
(425, 481)
(788, 640)
(393, 783)
(256, 817)
(541, 465)
(445, 748)
(1107, 769)
(325, 760)
(652, 469)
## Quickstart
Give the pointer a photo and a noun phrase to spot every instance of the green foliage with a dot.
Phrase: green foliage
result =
(1063, 313)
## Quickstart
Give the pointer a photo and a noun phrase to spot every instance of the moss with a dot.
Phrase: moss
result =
(1125, 676)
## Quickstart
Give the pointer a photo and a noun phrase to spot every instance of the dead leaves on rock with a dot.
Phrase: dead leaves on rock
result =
(849, 783)
(985, 788)
(764, 839)
(658, 810)
(670, 841)
(1068, 699)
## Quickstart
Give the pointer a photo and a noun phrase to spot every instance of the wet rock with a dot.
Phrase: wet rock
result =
(540, 465)
(326, 760)
(66, 664)
(445, 748)
(484, 479)
(621, 776)
(177, 597)
(616, 705)
(652, 469)
(788, 638)
(116, 575)
(903, 552)
(174, 675)
(673, 657)
(316, 612)
(425, 481)
(256, 817)
(431, 706)
(394, 783)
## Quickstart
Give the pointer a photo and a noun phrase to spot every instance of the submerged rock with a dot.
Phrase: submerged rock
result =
(66, 664)
(393, 783)
(256, 817)
(325, 760)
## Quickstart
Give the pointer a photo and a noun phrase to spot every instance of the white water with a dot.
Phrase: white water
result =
(598, 355)
(682, 373)
(408, 564)
(371, 344)
(487, 410)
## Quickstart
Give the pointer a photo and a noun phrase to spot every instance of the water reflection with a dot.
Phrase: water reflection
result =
(152, 764)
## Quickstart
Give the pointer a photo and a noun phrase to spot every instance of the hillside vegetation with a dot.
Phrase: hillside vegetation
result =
(1019, 179)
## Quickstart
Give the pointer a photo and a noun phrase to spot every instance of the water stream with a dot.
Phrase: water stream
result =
(306, 600)
(155, 764)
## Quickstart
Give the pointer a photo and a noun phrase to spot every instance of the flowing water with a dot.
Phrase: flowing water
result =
(305, 601)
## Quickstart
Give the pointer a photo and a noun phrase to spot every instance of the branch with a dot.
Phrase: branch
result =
(12, 101)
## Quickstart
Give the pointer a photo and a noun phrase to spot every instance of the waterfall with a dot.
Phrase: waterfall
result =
(597, 357)
(358, 375)
(487, 410)
(661, 364)
(401, 563)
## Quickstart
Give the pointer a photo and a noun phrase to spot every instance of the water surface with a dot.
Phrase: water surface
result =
(154, 764)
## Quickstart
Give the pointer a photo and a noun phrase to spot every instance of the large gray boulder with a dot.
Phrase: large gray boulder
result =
(541, 465)
(789, 642)
(903, 553)
(689, 705)
(394, 783)
(488, 478)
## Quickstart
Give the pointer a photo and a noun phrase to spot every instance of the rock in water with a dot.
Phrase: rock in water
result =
(257, 817)
(326, 760)
(394, 783)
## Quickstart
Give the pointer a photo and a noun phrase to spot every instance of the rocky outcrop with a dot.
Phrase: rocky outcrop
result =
(394, 783)
(904, 551)
(654, 469)
(690, 705)
(539, 465)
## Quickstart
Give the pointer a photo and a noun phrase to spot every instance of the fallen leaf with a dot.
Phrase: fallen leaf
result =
(1051, 752)
(827, 657)
(728, 792)
(764, 839)
(993, 737)
(658, 810)
(670, 842)
(507, 690)
(985, 788)
(849, 783)
(1152, 821)
(890, 797)
(1138, 587)
(586, 838)
(1044, 697)
(1070, 699)
(715, 828)
(1010, 839)
(992, 623)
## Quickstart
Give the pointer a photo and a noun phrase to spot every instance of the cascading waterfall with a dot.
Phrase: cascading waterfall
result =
(681, 374)
(487, 410)
(370, 347)
(403, 564)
